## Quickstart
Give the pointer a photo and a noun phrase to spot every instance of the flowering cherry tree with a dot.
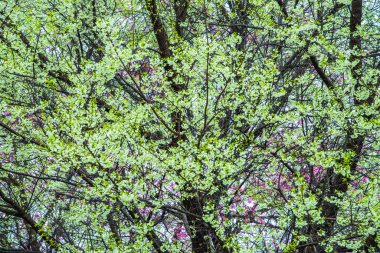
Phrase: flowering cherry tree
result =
(189, 126)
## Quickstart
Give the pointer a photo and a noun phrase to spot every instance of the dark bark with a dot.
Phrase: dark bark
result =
(335, 183)
(180, 8)
(23, 214)
(158, 28)
(204, 238)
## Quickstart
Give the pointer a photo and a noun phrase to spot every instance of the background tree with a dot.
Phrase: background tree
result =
(189, 126)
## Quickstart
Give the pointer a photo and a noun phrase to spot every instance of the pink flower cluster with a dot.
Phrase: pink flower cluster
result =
(179, 232)
(6, 158)
(314, 175)
(283, 181)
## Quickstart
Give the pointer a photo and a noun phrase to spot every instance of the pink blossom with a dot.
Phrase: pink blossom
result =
(6, 113)
(282, 183)
(307, 178)
(261, 183)
(180, 232)
(250, 203)
(171, 185)
(318, 171)
(261, 221)
(50, 159)
(36, 216)
(157, 182)
(250, 206)
(11, 157)
(123, 73)
(360, 168)
(145, 211)
(365, 179)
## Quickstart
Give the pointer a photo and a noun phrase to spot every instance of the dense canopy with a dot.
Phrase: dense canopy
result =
(189, 126)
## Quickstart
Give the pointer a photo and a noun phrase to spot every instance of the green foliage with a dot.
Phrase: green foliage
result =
(178, 126)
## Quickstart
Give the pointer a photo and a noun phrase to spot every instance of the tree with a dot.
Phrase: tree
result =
(189, 126)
